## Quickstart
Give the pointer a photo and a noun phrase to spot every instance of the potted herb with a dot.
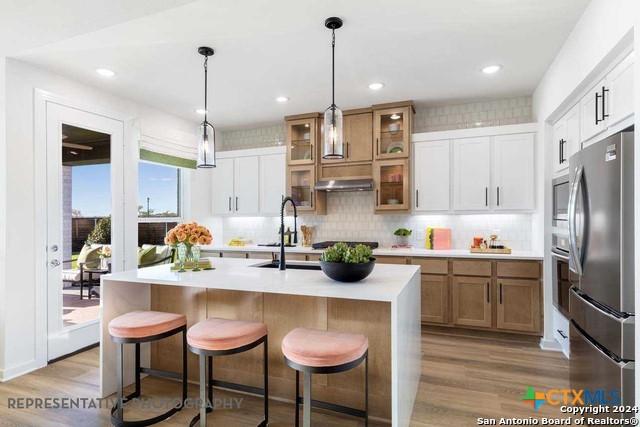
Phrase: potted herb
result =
(347, 264)
(402, 236)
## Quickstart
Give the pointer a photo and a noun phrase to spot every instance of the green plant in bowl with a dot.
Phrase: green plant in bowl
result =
(347, 264)
(403, 232)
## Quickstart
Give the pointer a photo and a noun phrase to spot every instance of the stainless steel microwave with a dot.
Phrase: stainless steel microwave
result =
(560, 196)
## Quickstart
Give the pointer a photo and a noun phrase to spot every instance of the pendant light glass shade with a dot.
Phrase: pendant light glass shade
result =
(333, 147)
(206, 146)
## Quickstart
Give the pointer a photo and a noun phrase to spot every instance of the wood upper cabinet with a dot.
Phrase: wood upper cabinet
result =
(518, 305)
(392, 130)
(300, 186)
(471, 173)
(391, 180)
(357, 138)
(513, 172)
(431, 166)
(302, 135)
(471, 298)
(435, 298)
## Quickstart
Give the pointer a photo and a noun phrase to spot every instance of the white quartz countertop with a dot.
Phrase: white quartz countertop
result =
(384, 284)
(406, 252)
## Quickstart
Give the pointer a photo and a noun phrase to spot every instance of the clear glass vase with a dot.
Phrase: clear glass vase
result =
(182, 256)
(195, 257)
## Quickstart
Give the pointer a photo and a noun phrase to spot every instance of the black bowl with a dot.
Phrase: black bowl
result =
(345, 272)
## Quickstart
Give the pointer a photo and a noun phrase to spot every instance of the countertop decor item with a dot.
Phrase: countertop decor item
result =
(307, 235)
(206, 132)
(347, 264)
(333, 147)
(186, 237)
(402, 237)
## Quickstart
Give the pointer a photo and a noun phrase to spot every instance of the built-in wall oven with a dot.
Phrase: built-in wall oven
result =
(560, 195)
(562, 277)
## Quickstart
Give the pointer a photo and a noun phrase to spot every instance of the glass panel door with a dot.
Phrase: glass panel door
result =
(392, 185)
(301, 141)
(301, 182)
(392, 133)
(79, 224)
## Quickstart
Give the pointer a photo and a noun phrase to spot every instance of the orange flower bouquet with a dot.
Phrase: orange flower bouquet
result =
(186, 238)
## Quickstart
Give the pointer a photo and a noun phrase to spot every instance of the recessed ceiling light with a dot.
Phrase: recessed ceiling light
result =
(395, 116)
(376, 86)
(282, 99)
(492, 69)
(201, 111)
(104, 72)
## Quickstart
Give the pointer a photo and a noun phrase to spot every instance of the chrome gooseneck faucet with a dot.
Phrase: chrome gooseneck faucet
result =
(295, 229)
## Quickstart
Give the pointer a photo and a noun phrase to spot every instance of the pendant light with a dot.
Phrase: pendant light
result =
(207, 133)
(333, 147)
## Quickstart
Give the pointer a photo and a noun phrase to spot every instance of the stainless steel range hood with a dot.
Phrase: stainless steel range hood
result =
(345, 185)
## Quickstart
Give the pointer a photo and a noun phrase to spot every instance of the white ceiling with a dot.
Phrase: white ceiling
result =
(430, 51)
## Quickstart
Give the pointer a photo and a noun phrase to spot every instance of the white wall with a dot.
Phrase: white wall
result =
(3, 186)
(602, 26)
(21, 331)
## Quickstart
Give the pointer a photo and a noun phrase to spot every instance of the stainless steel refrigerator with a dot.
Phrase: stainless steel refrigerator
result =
(601, 239)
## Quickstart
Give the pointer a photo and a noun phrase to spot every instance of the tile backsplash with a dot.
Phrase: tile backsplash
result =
(350, 217)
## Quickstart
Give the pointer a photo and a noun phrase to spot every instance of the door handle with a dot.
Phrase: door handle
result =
(378, 146)
(562, 334)
(596, 107)
(347, 148)
(229, 203)
(604, 112)
(417, 203)
(311, 193)
(500, 294)
(54, 248)
(573, 201)
(486, 196)
(377, 197)
(498, 195)
(236, 203)
(54, 263)
(488, 295)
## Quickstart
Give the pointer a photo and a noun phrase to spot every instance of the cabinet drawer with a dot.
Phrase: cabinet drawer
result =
(470, 267)
(234, 254)
(210, 254)
(260, 255)
(518, 269)
(431, 265)
(390, 259)
(313, 257)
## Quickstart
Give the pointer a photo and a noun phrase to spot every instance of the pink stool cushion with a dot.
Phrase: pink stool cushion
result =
(312, 347)
(141, 324)
(224, 334)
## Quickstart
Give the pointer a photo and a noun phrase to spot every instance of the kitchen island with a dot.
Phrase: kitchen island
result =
(385, 307)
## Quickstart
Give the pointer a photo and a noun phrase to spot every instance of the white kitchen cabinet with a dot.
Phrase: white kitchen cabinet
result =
(222, 187)
(245, 185)
(566, 139)
(471, 173)
(431, 166)
(272, 183)
(513, 172)
(592, 118)
(620, 85)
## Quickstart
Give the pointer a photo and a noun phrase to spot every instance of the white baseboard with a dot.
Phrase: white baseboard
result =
(550, 345)
(16, 371)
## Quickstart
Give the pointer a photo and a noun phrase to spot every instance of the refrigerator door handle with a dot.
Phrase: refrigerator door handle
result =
(621, 363)
(573, 244)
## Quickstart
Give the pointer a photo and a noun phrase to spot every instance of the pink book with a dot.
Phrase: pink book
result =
(441, 238)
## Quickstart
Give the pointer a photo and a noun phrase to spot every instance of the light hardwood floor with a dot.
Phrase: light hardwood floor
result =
(465, 375)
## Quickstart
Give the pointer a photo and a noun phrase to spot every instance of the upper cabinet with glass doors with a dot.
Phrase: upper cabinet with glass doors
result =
(302, 139)
(392, 128)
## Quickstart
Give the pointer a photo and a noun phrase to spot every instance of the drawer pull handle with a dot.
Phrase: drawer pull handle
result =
(562, 334)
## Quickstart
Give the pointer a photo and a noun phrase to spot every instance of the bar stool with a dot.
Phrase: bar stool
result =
(139, 327)
(221, 337)
(312, 351)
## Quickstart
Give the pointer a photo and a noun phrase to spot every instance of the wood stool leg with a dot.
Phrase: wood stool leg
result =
(203, 391)
(306, 407)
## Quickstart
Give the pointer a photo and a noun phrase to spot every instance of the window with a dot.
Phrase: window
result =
(158, 191)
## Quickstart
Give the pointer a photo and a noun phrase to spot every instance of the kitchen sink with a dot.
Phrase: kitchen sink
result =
(289, 265)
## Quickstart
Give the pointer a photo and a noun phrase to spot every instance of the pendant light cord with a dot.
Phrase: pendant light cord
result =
(206, 60)
(333, 77)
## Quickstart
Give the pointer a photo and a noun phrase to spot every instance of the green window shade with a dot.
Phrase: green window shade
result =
(166, 159)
